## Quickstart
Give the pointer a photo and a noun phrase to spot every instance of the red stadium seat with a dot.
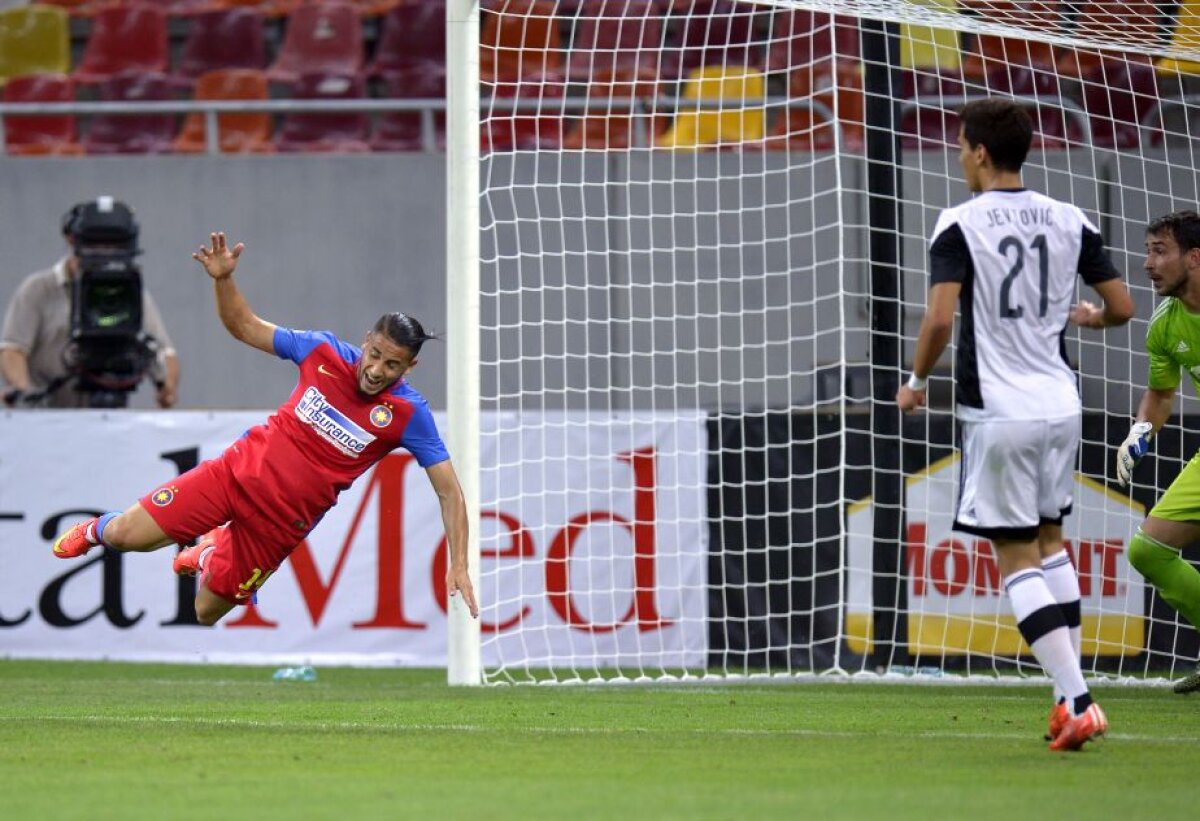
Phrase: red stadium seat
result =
(221, 39)
(403, 130)
(133, 133)
(412, 43)
(1127, 21)
(990, 51)
(41, 135)
(326, 132)
(124, 38)
(321, 38)
(715, 34)
(613, 36)
(239, 132)
(1117, 95)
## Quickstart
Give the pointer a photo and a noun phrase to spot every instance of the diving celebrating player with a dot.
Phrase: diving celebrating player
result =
(1173, 342)
(253, 504)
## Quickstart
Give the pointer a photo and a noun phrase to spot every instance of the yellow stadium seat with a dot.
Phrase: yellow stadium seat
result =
(712, 127)
(1185, 36)
(34, 40)
(928, 48)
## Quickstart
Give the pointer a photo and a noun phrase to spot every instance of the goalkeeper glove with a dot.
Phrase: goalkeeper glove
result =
(1132, 450)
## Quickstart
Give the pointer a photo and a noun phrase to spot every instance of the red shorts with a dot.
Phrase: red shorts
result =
(249, 549)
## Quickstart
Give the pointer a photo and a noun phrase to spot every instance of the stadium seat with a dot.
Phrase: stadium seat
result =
(326, 132)
(221, 39)
(716, 34)
(1117, 95)
(937, 126)
(520, 42)
(931, 50)
(124, 38)
(614, 120)
(404, 130)
(133, 133)
(615, 35)
(412, 43)
(34, 40)
(266, 8)
(1128, 21)
(40, 135)
(506, 129)
(1023, 81)
(321, 38)
(1185, 37)
(701, 128)
(238, 132)
(990, 51)
(75, 8)
(838, 85)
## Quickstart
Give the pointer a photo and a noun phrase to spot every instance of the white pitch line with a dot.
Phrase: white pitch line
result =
(475, 728)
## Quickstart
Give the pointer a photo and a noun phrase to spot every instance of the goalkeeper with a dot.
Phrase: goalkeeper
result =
(1173, 342)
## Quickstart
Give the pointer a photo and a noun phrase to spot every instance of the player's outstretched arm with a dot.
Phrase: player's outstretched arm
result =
(454, 518)
(220, 261)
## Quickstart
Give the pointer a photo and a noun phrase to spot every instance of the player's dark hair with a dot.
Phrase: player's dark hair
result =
(1002, 126)
(404, 330)
(1183, 226)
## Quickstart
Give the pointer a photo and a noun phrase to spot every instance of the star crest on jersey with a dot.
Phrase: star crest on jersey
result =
(1182, 347)
(163, 496)
(381, 416)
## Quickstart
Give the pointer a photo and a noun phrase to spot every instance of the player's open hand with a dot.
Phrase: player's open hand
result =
(459, 581)
(219, 260)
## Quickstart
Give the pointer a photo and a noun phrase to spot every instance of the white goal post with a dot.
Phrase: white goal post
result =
(686, 262)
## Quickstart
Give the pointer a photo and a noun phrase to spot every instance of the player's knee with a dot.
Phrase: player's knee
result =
(1148, 556)
(207, 614)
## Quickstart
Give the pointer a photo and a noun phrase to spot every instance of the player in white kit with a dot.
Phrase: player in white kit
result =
(1008, 259)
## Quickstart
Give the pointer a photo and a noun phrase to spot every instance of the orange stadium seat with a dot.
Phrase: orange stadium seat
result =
(990, 51)
(1127, 21)
(716, 34)
(124, 38)
(248, 132)
(45, 134)
(321, 38)
(539, 126)
(520, 42)
(613, 119)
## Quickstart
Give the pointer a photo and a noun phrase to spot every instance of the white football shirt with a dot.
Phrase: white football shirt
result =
(1016, 254)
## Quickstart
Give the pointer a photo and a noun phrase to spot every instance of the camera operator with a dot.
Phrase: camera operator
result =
(45, 347)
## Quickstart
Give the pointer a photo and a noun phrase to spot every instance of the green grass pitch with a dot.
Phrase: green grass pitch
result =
(125, 741)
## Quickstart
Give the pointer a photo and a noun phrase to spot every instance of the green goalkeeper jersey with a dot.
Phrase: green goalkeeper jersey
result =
(1173, 342)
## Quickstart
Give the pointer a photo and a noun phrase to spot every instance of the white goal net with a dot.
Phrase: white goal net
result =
(702, 234)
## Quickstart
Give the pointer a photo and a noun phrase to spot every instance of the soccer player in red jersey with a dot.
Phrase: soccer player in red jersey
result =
(257, 500)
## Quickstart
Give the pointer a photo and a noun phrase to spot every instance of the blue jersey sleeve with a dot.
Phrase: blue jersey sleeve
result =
(421, 438)
(297, 345)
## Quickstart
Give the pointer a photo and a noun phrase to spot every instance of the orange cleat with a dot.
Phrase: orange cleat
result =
(1080, 729)
(1060, 714)
(77, 541)
(187, 561)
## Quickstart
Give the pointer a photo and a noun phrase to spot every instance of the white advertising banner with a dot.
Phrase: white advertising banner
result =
(956, 603)
(366, 586)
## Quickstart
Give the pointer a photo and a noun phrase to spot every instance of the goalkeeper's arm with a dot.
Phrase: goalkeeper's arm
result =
(1153, 412)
